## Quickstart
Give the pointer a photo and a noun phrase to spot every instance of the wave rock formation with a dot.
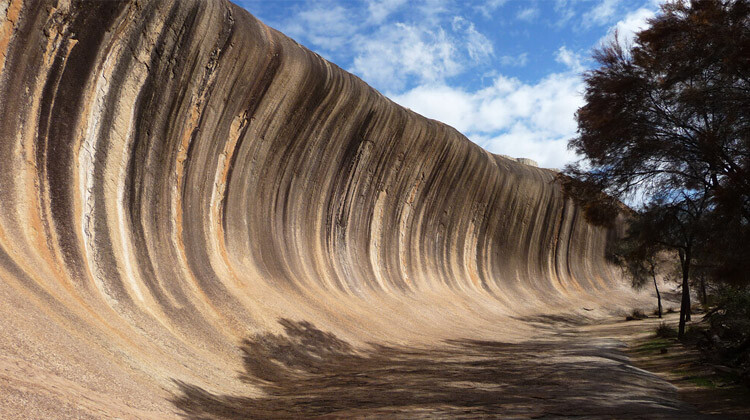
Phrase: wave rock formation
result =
(177, 177)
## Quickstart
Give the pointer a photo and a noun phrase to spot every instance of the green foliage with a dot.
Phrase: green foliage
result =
(728, 338)
(664, 330)
(704, 382)
(667, 119)
(694, 333)
(654, 346)
(730, 320)
(636, 257)
(669, 113)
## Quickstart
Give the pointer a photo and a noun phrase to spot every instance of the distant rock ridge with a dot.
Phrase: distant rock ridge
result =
(525, 161)
(176, 176)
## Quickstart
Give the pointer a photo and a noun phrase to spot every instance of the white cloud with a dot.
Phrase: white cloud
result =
(628, 26)
(431, 12)
(569, 58)
(564, 11)
(400, 51)
(602, 13)
(443, 103)
(528, 13)
(519, 60)
(520, 141)
(326, 26)
(510, 117)
(488, 7)
(417, 57)
(429, 45)
(477, 45)
(381, 9)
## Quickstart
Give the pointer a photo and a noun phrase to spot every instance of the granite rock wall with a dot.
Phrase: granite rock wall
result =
(176, 176)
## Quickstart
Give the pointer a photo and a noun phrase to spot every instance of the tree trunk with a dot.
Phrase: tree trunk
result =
(658, 295)
(685, 259)
(686, 295)
(703, 291)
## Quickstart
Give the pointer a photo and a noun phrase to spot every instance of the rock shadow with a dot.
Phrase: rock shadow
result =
(307, 373)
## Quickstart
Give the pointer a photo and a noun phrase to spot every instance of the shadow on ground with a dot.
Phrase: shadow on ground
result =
(308, 372)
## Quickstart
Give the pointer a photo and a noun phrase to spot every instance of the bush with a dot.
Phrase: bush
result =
(727, 340)
(665, 331)
(637, 314)
(693, 333)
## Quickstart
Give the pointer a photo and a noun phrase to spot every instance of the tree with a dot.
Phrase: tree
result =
(639, 258)
(676, 224)
(667, 123)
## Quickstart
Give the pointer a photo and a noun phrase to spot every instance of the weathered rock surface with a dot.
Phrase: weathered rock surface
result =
(175, 177)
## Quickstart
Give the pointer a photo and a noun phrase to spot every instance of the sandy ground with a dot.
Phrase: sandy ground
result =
(567, 370)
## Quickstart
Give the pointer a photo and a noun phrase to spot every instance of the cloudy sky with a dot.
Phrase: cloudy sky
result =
(506, 73)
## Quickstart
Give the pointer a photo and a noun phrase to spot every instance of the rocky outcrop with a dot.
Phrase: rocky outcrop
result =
(177, 176)
(525, 161)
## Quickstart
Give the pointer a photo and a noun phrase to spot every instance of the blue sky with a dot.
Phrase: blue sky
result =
(505, 73)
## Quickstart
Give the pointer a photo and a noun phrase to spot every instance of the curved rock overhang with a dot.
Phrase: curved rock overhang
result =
(176, 176)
